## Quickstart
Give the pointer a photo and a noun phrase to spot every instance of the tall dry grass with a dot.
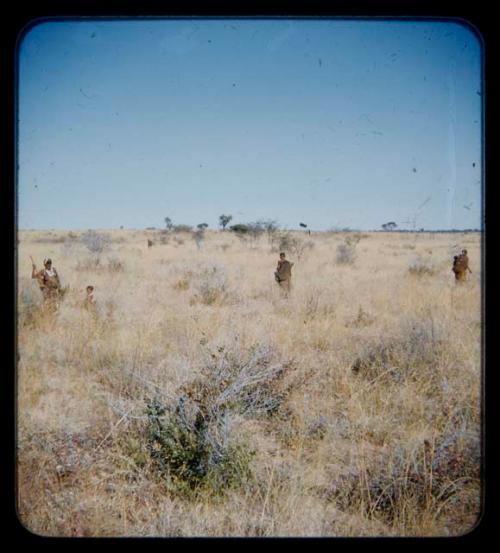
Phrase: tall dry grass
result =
(374, 428)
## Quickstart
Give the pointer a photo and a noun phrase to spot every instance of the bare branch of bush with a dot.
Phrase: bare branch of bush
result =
(212, 284)
(434, 474)
(417, 346)
(193, 440)
(94, 241)
(419, 267)
(96, 265)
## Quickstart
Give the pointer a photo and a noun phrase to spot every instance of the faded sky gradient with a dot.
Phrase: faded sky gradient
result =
(336, 123)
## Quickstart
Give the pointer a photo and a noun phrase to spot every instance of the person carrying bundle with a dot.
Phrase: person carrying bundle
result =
(461, 266)
(283, 273)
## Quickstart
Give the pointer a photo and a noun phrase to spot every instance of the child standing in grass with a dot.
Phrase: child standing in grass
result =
(89, 302)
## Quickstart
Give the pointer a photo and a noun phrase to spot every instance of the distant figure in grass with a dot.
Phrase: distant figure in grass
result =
(49, 282)
(89, 302)
(283, 273)
(150, 243)
(461, 266)
(465, 261)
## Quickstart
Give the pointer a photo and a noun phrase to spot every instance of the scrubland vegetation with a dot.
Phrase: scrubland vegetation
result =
(198, 401)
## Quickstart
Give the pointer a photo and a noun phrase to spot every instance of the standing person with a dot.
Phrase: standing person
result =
(49, 282)
(465, 261)
(455, 267)
(461, 266)
(283, 273)
(89, 302)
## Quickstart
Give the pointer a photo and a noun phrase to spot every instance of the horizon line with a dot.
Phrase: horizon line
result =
(193, 227)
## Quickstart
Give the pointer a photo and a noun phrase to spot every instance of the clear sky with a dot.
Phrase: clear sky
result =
(334, 123)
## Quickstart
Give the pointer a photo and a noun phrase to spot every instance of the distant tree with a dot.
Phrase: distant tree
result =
(287, 241)
(389, 226)
(182, 228)
(269, 225)
(202, 226)
(168, 223)
(303, 225)
(239, 228)
(224, 220)
(256, 229)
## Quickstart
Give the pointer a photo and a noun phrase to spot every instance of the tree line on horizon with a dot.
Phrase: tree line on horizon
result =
(271, 225)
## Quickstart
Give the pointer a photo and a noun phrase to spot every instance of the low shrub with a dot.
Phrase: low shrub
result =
(88, 264)
(50, 239)
(346, 254)
(417, 345)
(114, 265)
(419, 267)
(96, 265)
(192, 452)
(212, 285)
(193, 439)
(29, 306)
(363, 319)
(184, 282)
(431, 477)
(94, 241)
(181, 284)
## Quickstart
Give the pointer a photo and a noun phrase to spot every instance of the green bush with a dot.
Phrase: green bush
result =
(239, 228)
(193, 439)
(182, 228)
(191, 451)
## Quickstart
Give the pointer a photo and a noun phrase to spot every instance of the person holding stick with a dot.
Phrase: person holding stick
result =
(48, 280)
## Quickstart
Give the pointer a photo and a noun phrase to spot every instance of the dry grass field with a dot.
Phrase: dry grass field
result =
(198, 401)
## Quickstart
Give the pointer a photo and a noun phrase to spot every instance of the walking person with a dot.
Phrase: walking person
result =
(283, 274)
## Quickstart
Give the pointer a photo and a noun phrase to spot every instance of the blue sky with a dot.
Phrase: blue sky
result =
(336, 123)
